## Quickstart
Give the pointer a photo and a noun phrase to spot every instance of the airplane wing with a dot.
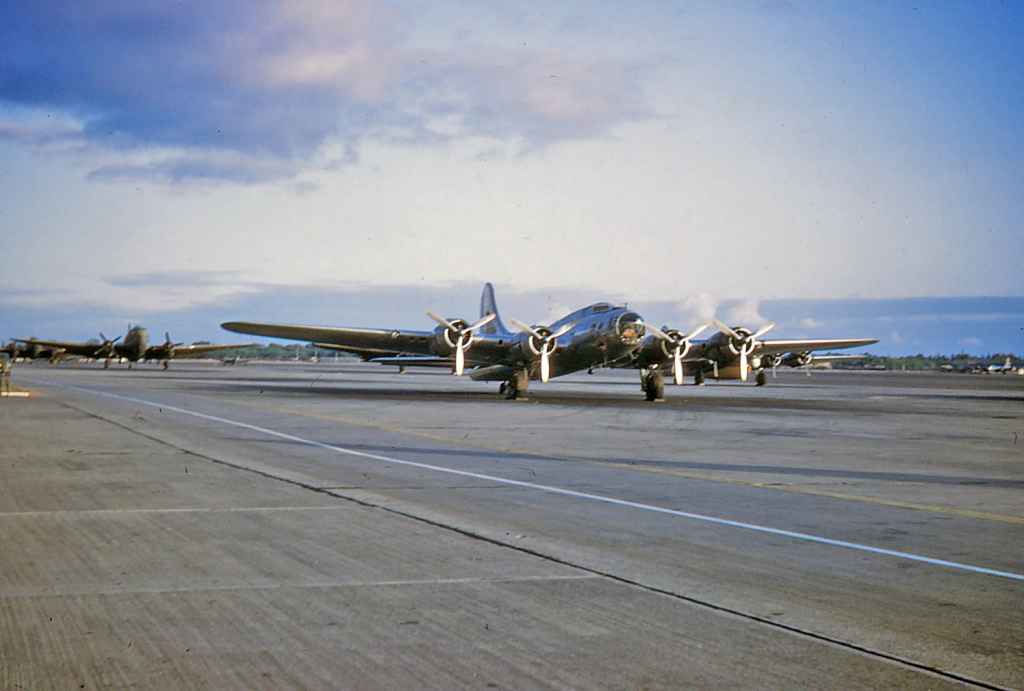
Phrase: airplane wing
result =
(359, 341)
(805, 345)
(69, 347)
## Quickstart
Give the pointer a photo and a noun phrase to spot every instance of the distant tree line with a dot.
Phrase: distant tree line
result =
(928, 362)
(292, 351)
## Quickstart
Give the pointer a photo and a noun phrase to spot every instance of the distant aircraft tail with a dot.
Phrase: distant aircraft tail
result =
(489, 306)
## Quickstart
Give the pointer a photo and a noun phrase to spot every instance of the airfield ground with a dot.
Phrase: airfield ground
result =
(343, 526)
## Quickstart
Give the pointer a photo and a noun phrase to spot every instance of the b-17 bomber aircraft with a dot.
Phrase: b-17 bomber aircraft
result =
(133, 347)
(31, 350)
(600, 335)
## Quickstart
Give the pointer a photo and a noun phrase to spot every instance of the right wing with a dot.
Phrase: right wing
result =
(195, 351)
(359, 341)
(807, 344)
(69, 347)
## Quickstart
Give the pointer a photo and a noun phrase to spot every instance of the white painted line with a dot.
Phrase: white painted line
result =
(806, 537)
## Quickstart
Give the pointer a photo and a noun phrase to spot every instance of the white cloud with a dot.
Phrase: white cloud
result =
(745, 313)
(697, 309)
(810, 323)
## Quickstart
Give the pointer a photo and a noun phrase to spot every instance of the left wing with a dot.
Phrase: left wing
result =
(805, 345)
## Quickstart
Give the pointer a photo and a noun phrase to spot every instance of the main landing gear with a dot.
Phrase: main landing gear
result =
(762, 378)
(698, 378)
(653, 385)
(515, 389)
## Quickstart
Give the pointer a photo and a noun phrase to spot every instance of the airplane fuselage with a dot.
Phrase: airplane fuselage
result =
(601, 334)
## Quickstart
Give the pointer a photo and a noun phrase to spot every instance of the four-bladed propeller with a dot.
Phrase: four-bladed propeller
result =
(679, 344)
(459, 336)
(743, 344)
(542, 342)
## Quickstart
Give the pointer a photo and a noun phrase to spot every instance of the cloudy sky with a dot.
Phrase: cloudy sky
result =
(829, 166)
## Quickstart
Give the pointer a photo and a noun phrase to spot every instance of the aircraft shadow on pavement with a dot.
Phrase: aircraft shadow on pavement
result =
(410, 452)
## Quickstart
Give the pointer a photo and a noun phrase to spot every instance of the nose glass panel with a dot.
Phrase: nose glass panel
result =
(631, 327)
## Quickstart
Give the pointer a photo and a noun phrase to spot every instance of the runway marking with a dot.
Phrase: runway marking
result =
(806, 537)
(690, 475)
(796, 489)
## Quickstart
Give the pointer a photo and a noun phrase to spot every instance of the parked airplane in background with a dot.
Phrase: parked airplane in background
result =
(133, 347)
(32, 350)
(1004, 368)
(600, 335)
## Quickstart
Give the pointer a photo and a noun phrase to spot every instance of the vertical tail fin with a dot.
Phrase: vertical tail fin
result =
(489, 306)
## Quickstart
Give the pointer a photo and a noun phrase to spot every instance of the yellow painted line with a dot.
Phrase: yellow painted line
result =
(793, 489)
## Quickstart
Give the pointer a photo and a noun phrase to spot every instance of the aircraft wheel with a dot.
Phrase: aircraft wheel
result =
(698, 378)
(502, 387)
(166, 364)
(654, 386)
(517, 386)
(761, 378)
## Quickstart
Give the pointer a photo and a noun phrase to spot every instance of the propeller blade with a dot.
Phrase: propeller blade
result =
(460, 359)
(725, 328)
(442, 321)
(762, 331)
(167, 336)
(658, 333)
(525, 328)
(743, 364)
(677, 366)
(561, 332)
(545, 366)
(696, 332)
(481, 322)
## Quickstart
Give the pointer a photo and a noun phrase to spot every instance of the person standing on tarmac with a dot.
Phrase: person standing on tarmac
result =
(6, 365)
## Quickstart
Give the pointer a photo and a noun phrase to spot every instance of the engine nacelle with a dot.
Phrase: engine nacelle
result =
(797, 359)
(730, 371)
(531, 347)
(445, 340)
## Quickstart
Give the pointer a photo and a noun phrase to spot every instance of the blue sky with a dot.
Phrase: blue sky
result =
(841, 168)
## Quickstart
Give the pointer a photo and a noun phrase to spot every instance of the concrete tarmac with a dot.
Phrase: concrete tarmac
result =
(343, 526)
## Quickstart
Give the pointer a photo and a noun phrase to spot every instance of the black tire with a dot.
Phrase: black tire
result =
(654, 387)
(761, 379)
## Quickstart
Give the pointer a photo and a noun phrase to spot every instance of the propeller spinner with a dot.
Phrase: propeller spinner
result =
(459, 336)
(742, 343)
(542, 342)
(680, 345)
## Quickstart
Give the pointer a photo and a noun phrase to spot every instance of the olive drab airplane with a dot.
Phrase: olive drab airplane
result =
(600, 335)
(133, 347)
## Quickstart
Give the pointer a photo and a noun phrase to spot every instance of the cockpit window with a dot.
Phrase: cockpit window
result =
(631, 327)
